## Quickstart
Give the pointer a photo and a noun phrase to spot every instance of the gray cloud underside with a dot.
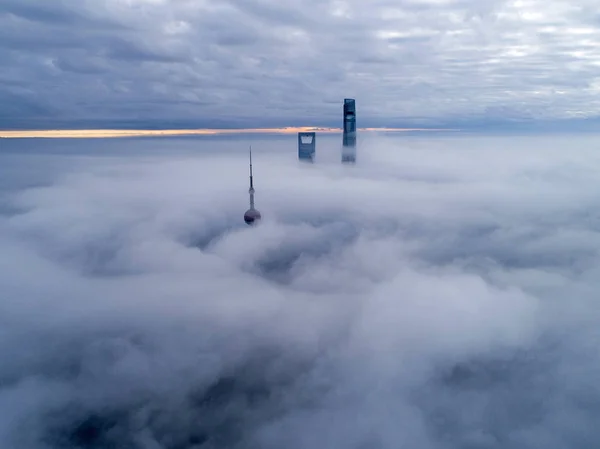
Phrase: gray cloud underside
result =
(441, 294)
(260, 60)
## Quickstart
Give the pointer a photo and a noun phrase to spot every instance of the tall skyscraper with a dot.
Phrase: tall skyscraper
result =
(306, 146)
(349, 129)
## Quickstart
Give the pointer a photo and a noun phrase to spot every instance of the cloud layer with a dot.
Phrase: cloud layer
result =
(439, 294)
(266, 63)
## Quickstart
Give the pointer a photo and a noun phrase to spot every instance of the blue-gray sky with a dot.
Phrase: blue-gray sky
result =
(274, 63)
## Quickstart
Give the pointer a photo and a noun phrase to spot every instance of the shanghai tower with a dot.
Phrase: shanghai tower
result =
(349, 137)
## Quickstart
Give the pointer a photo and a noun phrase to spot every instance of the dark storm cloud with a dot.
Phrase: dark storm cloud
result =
(288, 61)
(439, 294)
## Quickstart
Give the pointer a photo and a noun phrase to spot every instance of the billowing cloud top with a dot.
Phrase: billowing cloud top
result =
(274, 63)
(439, 294)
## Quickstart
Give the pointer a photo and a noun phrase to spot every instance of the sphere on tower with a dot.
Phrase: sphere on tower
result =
(252, 216)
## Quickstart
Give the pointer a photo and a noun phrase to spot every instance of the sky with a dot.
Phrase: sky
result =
(441, 293)
(260, 63)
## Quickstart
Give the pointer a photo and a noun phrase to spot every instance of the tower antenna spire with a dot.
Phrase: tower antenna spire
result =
(251, 180)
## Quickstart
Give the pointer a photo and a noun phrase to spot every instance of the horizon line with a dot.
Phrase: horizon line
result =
(111, 133)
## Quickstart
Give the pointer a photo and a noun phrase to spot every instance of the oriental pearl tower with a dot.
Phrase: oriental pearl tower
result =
(252, 216)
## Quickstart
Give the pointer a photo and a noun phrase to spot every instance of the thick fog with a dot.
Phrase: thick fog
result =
(441, 293)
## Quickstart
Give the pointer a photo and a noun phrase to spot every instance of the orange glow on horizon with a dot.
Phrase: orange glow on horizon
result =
(105, 133)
